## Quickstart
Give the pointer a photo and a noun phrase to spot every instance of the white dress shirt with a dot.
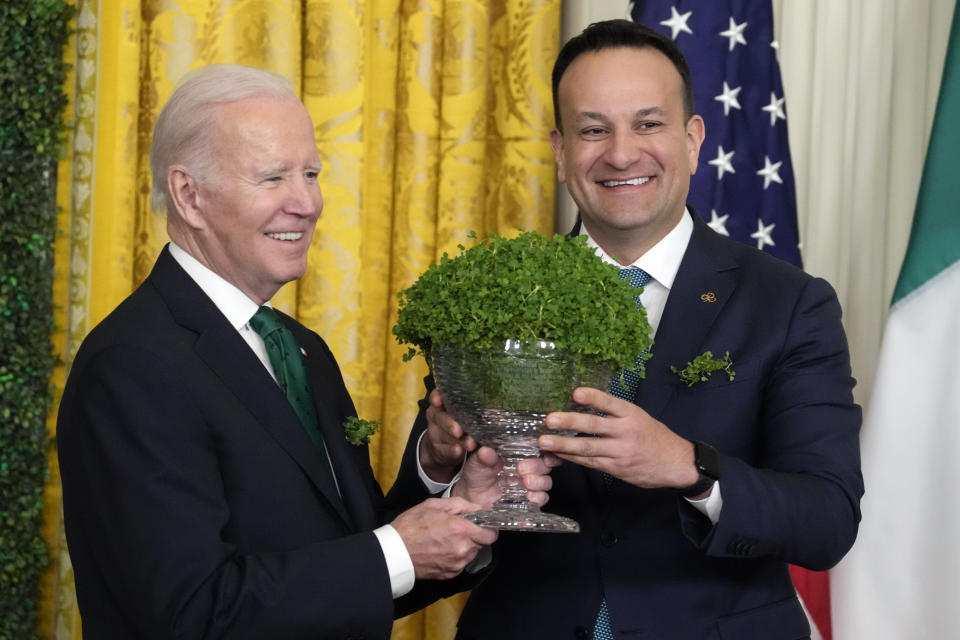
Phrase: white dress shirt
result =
(238, 309)
(662, 262)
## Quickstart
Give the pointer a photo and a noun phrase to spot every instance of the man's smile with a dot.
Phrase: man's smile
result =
(631, 181)
(286, 235)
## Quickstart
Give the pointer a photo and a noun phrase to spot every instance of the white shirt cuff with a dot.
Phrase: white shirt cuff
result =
(399, 564)
(479, 563)
(431, 485)
(711, 505)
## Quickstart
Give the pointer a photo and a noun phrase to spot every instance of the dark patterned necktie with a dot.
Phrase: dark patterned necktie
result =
(623, 386)
(286, 359)
(626, 389)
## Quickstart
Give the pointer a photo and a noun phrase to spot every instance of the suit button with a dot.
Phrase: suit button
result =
(608, 538)
(580, 633)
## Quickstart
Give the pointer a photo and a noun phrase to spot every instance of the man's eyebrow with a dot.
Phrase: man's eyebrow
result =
(591, 115)
(280, 169)
(599, 117)
(649, 111)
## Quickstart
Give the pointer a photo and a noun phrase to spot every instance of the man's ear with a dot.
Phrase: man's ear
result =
(696, 132)
(185, 196)
(556, 143)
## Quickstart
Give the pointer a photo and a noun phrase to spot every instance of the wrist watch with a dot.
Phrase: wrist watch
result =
(707, 461)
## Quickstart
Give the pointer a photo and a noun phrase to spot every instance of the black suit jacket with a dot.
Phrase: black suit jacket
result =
(195, 504)
(787, 431)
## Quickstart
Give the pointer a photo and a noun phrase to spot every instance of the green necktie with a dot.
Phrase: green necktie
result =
(287, 361)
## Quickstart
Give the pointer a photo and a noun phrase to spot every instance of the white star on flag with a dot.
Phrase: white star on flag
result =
(769, 173)
(677, 22)
(762, 234)
(718, 223)
(735, 33)
(722, 162)
(775, 108)
(728, 98)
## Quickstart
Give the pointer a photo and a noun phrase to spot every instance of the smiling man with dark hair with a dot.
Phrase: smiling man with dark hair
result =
(693, 499)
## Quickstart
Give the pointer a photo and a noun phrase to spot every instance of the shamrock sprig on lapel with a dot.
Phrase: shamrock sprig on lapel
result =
(702, 366)
(358, 430)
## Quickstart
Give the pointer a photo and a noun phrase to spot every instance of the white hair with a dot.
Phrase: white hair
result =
(183, 130)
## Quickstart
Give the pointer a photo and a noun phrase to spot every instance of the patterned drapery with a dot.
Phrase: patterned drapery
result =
(432, 119)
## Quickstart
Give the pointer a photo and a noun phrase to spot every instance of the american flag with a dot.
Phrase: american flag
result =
(744, 184)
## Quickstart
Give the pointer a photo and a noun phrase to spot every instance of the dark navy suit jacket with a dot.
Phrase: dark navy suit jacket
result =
(787, 431)
(195, 504)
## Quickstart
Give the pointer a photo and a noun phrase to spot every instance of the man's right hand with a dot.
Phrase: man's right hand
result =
(441, 542)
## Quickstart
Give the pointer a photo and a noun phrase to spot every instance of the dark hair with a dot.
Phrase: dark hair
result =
(611, 34)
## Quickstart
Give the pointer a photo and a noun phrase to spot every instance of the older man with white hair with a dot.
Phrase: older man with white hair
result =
(208, 488)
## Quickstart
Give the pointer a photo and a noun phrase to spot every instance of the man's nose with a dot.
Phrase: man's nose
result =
(623, 149)
(304, 198)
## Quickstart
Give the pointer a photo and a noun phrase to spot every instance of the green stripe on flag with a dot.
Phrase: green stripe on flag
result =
(935, 238)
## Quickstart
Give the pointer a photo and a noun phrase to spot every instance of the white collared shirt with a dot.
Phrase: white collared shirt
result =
(662, 262)
(238, 309)
(231, 301)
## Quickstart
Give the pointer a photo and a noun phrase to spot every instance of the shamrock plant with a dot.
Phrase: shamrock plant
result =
(700, 369)
(358, 431)
(530, 287)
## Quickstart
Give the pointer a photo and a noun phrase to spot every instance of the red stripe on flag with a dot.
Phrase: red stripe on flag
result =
(814, 590)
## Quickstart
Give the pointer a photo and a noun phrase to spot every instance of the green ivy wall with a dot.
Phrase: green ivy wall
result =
(32, 101)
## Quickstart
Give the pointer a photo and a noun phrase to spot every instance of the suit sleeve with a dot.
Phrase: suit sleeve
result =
(143, 490)
(800, 503)
(408, 488)
(407, 491)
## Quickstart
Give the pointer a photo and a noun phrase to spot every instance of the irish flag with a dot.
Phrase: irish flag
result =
(902, 577)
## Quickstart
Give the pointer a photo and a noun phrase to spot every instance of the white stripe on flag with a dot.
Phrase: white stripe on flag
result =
(902, 577)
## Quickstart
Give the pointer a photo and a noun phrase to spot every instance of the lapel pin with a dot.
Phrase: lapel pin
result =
(303, 351)
(709, 296)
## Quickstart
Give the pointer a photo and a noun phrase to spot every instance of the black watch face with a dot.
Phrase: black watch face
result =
(707, 460)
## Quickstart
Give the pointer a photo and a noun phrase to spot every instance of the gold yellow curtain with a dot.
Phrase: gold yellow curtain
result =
(431, 117)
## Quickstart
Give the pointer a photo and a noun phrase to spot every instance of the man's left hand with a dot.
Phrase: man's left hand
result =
(629, 444)
(444, 444)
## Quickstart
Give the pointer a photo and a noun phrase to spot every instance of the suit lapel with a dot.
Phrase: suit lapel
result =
(231, 359)
(704, 283)
(350, 463)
